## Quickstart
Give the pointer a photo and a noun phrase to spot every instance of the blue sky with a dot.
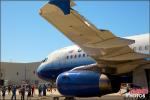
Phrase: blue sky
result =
(27, 37)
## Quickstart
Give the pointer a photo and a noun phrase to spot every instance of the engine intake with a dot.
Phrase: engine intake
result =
(83, 83)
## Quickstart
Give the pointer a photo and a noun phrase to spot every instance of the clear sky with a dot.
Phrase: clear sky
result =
(27, 37)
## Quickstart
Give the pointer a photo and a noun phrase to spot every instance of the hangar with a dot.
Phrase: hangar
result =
(17, 72)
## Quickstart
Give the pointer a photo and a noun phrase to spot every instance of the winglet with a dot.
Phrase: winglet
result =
(64, 5)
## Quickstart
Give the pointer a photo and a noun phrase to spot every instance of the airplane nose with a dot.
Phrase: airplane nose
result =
(39, 71)
(42, 72)
(45, 72)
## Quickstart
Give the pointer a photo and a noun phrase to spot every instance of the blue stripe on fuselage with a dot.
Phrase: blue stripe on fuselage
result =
(52, 70)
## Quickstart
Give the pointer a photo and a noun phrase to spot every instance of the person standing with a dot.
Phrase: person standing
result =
(3, 92)
(9, 89)
(33, 88)
(44, 90)
(29, 92)
(40, 89)
(13, 92)
(51, 88)
(22, 92)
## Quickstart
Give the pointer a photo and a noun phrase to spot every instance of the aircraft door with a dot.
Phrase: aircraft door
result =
(63, 60)
(56, 61)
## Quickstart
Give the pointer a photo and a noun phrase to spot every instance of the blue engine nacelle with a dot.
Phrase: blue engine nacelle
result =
(83, 84)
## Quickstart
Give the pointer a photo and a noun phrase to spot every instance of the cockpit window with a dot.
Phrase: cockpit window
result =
(44, 60)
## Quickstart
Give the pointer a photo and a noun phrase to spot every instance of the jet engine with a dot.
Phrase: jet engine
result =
(83, 84)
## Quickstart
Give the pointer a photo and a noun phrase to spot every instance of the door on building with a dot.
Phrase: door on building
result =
(148, 76)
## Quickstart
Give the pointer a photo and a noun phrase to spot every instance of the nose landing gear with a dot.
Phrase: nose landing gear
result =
(69, 98)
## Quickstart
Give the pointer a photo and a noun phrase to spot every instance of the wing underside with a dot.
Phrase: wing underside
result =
(100, 44)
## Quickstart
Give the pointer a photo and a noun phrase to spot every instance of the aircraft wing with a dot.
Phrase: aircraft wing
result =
(102, 45)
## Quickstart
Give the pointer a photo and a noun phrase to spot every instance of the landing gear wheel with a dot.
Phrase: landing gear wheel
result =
(69, 98)
(56, 98)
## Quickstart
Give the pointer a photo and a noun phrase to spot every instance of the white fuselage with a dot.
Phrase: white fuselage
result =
(73, 56)
(74, 53)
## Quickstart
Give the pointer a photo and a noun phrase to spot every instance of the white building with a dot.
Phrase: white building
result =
(16, 73)
(13, 72)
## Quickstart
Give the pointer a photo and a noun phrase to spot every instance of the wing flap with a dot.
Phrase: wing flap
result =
(110, 43)
(126, 56)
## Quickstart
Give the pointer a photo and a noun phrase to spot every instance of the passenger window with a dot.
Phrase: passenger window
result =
(140, 48)
(83, 55)
(71, 57)
(146, 47)
(67, 57)
(134, 48)
(75, 56)
(79, 55)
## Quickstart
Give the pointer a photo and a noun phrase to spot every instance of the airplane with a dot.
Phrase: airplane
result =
(98, 62)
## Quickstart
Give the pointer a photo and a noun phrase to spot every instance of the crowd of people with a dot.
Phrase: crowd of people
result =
(10, 88)
(24, 90)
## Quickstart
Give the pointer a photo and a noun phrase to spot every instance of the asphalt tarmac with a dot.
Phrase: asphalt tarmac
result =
(50, 96)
